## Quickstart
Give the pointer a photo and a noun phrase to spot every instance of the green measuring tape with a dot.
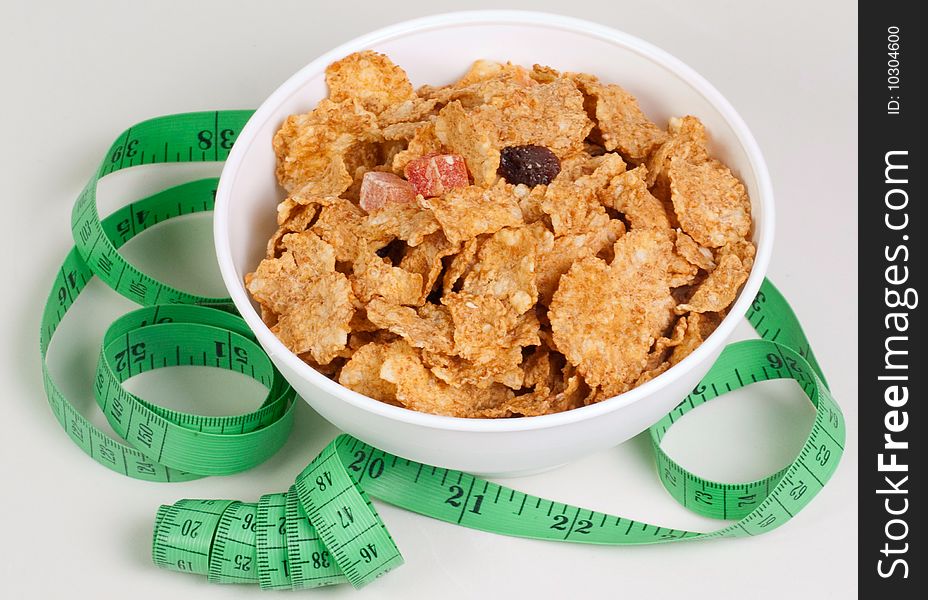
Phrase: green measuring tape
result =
(324, 529)
(173, 328)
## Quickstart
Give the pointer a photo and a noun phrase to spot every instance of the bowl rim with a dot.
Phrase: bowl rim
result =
(279, 352)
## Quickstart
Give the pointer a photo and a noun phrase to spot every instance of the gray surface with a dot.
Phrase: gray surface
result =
(78, 73)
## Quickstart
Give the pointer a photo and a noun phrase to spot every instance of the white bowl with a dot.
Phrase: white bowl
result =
(437, 50)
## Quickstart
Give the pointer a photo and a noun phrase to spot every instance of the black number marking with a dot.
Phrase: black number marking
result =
(583, 526)
(833, 417)
(478, 502)
(242, 562)
(85, 231)
(226, 138)
(282, 526)
(321, 560)
(324, 481)
(768, 521)
(77, 431)
(138, 288)
(823, 455)
(345, 518)
(775, 361)
(145, 468)
(759, 299)
(249, 522)
(375, 468)
(798, 490)
(117, 410)
(368, 553)
(560, 522)
(145, 434)
(190, 528)
(138, 352)
(105, 264)
(704, 497)
(108, 454)
(358, 463)
(456, 492)
(241, 355)
(746, 500)
(205, 139)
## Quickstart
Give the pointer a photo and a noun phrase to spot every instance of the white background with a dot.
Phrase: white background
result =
(76, 74)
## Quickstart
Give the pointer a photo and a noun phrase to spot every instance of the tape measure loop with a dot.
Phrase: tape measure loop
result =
(344, 517)
(182, 440)
(163, 445)
(158, 140)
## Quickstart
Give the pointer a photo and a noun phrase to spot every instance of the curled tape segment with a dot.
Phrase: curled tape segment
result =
(171, 329)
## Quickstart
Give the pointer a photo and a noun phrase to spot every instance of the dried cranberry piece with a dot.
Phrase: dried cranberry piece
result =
(434, 174)
(379, 189)
(531, 165)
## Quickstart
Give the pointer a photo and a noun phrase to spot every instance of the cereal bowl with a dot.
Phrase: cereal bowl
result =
(437, 50)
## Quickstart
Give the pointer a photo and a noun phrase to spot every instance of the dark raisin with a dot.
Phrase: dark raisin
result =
(531, 165)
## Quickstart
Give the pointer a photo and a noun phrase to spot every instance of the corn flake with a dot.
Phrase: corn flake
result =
(426, 260)
(465, 213)
(711, 204)
(413, 111)
(292, 217)
(504, 368)
(693, 252)
(460, 264)
(429, 327)
(362, 374)
(621, 124)
(318, 324)
(370, 78)
(568, 249)
(410, 222)
(419, 389)
(346, 227)
(483, 325)
(629, 195)
(698, 328)
(464, 134)
(422, 143)
(719, 289)
(373, 276)
(605, 318)
(549, 115)
(315, 150)
(506, 265)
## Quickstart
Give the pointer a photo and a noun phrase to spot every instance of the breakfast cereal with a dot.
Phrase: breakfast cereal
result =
(517, 243)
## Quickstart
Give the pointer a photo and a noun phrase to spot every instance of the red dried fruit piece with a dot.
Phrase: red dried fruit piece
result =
(531, 165)
(379, 189)
(434, 174)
